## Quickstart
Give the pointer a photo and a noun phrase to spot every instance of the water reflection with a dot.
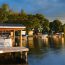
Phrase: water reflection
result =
(39, 43)
(47, 51)
(41, 50)
(34, 46)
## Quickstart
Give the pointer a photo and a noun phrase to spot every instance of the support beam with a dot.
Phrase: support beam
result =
(14, 37)
(21, 55)
(26, 57)
(20, 38)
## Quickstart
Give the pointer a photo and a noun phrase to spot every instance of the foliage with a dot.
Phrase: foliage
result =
(4, 12)
(45, 26)
(57, 26)
(36, 21)
(63, 28)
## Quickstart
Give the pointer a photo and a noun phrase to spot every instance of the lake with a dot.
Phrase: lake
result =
(47, 51)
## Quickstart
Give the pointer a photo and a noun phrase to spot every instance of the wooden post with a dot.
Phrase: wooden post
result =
(21, 55)
(26, 59)
(14, 37)
(20, 38)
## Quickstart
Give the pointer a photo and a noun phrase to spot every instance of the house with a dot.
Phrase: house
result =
(7, 39)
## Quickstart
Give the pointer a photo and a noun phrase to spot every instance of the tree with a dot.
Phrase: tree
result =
(42, 21)
(5, 7)
(63, 28)
(45, 26)
(51, 27)
(4, 11)
(41, 18)
(57, 26)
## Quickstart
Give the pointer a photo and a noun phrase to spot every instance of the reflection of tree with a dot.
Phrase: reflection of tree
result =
(62, 41)
(45, 42)
(64, 38)
(36, 43)
(55, 43)
(30, 42)
(36, 49)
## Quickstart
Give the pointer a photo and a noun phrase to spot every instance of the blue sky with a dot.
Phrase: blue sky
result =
(52, 9)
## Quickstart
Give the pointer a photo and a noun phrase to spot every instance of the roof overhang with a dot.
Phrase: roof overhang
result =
(2, 28)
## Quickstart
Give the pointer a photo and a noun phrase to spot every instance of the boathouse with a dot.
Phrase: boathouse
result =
(7, 39)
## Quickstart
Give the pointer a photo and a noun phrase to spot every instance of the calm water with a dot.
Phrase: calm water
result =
(48, 51)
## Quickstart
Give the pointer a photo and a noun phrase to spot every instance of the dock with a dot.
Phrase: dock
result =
(15, 49)
(9, 39)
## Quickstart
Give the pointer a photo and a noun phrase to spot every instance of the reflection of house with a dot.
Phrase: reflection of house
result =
(30, 33)
(7, 38)
(59, 34)
(44, 36)
(30, 42)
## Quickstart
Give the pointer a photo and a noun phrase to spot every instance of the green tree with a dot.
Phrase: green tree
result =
(57, 26)
(4, 13)
(63, 28)
(51, 27)
(5, 7)
(41, 18)
(45, 26)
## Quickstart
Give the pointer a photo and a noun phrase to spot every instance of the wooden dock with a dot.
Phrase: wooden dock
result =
(15, 49)
(8, 40)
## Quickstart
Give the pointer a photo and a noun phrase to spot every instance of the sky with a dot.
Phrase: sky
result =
(52, 9)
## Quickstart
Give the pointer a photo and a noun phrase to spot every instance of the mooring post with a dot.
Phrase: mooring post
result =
(21, 55)
(26, 57)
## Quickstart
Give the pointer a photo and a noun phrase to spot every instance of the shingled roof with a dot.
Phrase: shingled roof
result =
(11, 25)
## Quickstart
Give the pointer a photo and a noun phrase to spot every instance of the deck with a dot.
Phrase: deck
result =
(13, 49)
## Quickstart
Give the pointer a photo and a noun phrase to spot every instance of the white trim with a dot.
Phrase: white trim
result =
(12, 27)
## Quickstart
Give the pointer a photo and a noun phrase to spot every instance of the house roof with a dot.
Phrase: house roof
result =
(11, 26)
